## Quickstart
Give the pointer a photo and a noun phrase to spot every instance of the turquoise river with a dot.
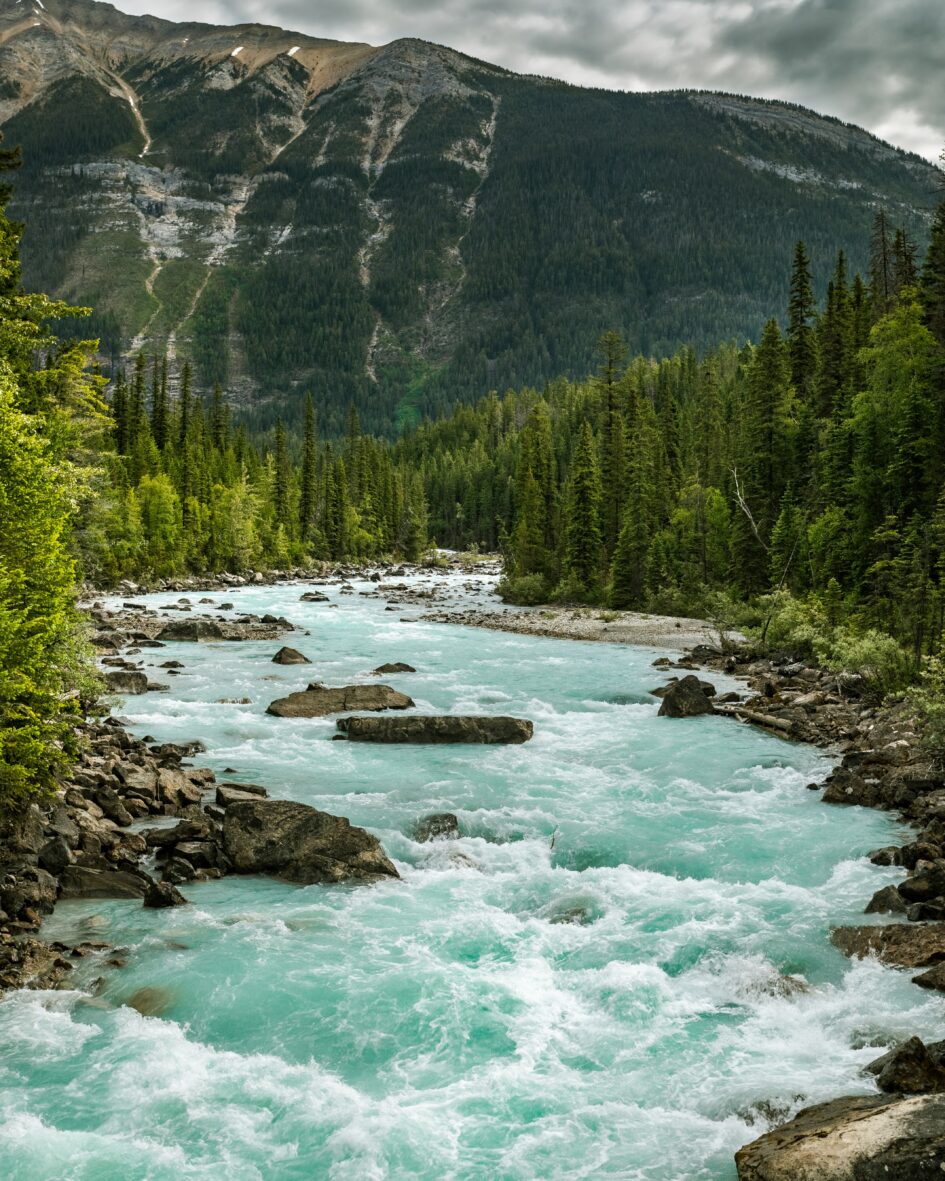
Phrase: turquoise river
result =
(459, 1023)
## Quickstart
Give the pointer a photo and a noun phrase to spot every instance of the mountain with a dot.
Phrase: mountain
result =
(405, 227)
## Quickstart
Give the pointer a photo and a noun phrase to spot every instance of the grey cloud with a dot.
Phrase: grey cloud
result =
(872, 62)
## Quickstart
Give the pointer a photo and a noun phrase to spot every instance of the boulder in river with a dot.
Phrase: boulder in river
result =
(440, 826)
(861, 1138)
(902, 945)
(397, 666)
(314, 597)
(163, 894)
(127, 681)
(191, 630)
(300, 844)
(910, 1069)
(451, 728)
(685, 698)
(290, 656)
(318, 700)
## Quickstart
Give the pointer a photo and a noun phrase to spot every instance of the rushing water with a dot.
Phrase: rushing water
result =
(455, 1024)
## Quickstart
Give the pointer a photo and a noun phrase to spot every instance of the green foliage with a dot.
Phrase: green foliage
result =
(927, 700)
(527, 590)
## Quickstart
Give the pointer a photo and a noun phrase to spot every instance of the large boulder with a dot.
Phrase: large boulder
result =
(290, 656)
(902, 945)
(397, 666)
(191, 630)
(437, 728)
(318, 700)
(685, 698)
(300, 844)
(862, 1138)
(80, 881)
(910, 1069)
(128, 681)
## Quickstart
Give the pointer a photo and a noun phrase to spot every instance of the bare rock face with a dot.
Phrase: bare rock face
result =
(300, 844)
(685, 698)
(290, 656)
(903, 945)
(864, 1138)
(318, 700)
(127, 681)
(439, 728)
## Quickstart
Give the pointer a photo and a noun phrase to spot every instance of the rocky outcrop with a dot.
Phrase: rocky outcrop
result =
(290, 656)
(685, 698)
(300, 844)
(863, 1138)
(397, 667)
(318, 700)
(903, 945)
(447, 728)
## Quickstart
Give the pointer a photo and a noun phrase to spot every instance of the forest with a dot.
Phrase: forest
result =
(796, 484)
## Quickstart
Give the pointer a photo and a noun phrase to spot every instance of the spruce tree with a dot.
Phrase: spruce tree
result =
(583, 547)
(932, 279)
(802, 343)
(308, 495)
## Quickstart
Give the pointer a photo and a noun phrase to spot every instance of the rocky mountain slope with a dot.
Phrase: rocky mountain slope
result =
(404, 226)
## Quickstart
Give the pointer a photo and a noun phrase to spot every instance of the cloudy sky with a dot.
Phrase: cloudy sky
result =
(878, 63)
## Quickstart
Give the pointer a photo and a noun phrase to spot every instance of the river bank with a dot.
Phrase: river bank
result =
(781, 693)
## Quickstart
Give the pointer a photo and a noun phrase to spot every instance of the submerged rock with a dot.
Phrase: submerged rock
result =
(438, 728)
(862, 1138)
(440, 826)
(318, 700)
(150, 1002)
(685, 698)
(300, 844)
(290, 656)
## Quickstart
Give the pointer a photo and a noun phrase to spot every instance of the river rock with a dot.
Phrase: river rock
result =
(131, 682)
(397, 667)
(191, 630)
(909, 1069)
(862, 1138)
(318, 700)
(232, 793)
(79, 881)
(313, 597)
(160, 895)
(934, 978)
(450, 728)
(440, 826)
(902, 945)
(300, 844)
(685, 698)
(290, 656)
(888, 900)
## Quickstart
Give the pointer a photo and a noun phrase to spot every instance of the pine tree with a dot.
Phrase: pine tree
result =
(280, 485)
(802, 341)
(882, 266)
(308, 497)
(932, 280)
(583, 548)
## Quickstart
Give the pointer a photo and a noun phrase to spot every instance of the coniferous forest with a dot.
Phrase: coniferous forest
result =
(797, 482)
